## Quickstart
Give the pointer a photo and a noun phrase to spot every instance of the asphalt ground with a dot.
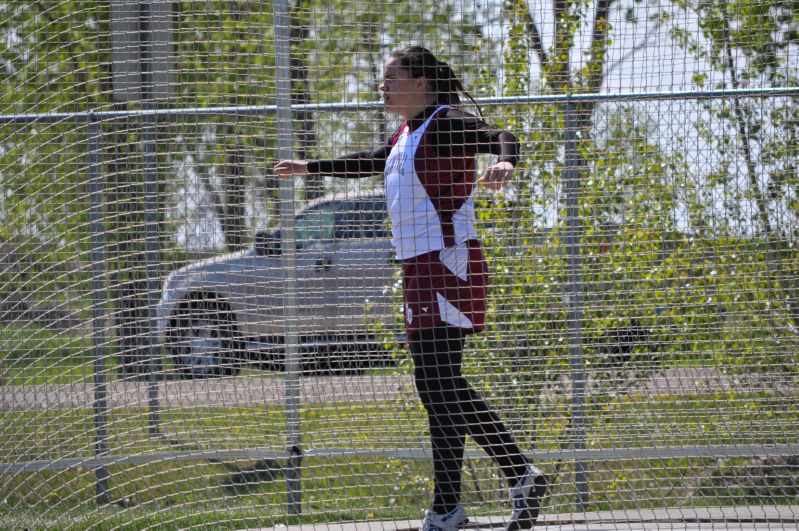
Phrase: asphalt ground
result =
(243, 391)
(743, 518)
(212, 392)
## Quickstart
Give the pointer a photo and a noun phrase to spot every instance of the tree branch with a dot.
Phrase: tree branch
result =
(559, 78)
(535, 36)
(599, 45)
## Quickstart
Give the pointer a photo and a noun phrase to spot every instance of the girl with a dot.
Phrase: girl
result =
(430, 175)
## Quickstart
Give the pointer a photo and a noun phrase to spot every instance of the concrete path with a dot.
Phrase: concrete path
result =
(745, 518)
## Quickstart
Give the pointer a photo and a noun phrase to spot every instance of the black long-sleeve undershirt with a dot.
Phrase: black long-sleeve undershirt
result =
(454, 133)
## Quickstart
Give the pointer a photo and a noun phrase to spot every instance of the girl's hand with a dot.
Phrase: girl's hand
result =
(291, 168)
(496, 176)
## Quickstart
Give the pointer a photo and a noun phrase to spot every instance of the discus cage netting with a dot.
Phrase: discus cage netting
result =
(187, 340)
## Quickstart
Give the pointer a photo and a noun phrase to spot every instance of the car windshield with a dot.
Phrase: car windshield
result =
(315, 225)
(332, 220)
(362, 220)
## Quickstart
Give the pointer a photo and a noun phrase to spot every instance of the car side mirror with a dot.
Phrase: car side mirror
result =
(267, 243)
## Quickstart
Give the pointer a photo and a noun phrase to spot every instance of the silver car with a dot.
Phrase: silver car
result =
(217, 314)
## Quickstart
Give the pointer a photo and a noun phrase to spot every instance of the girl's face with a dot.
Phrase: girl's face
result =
(402, 94)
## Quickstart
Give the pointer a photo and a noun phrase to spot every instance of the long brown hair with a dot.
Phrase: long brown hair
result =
(420, 62)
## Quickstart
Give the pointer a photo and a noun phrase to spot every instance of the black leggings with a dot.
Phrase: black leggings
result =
(455, 409)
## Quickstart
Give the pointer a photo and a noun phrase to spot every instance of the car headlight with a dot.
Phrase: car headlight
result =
(170, 289)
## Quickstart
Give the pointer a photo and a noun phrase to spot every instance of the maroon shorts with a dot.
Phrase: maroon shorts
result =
(446, 287)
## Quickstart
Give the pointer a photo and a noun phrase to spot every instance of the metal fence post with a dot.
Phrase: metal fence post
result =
(99, 301)
(292, 353)
(150, 209)
(574, 233)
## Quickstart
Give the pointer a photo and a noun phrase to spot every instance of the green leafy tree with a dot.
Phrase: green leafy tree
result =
(225, 57)
(535, 63)
(58, 58)
(347, 43)
(748, 45)
(49, 66)
(624, 222)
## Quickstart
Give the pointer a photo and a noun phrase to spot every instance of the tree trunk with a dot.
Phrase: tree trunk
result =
(301, 94)
(234, 225)
(126, 252)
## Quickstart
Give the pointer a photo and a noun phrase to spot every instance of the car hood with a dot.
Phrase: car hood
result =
(214, 263)
(180, 279)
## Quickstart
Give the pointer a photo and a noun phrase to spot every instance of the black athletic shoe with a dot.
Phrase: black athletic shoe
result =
(526, 498)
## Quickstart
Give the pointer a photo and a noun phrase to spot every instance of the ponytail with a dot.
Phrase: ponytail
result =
(421, 62)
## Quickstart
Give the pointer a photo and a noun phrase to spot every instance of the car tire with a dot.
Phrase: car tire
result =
(202, 339)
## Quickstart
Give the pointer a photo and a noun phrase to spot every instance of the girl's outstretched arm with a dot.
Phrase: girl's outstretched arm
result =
(353, 165)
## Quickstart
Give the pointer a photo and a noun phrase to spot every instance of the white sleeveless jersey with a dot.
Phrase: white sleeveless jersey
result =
(416, 225)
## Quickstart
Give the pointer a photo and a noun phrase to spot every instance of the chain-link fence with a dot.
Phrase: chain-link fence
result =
(188, 340)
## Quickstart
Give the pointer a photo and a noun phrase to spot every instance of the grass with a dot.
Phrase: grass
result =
(253, 493)
(685, 420)
(31, 355)
(250, 493)
(181, 494)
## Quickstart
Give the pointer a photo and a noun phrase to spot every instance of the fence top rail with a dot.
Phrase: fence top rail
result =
(95, 116)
